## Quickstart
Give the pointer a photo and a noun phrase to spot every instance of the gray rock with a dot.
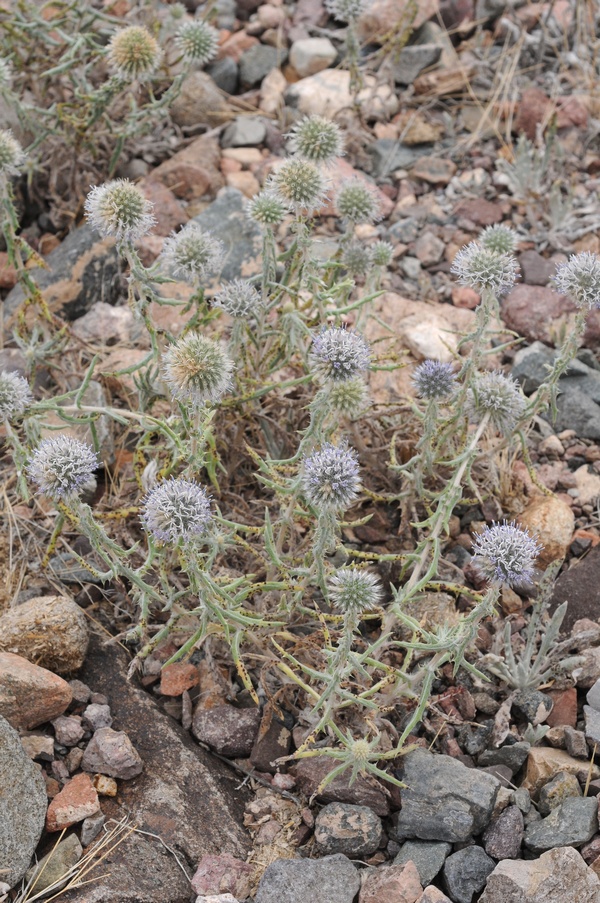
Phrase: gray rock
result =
(531, 365)
(575, 743)
(343, 828)
(68, 730)
(593, 696)
(257, 62)
(388, 155)
(537, 270)
(405, 230)
(465, 873)
(96, 716)
(560, 876)
(90, 828)
(513, 756)
(592, 724)
(413, 60)
(427, 855)
(443, 799)
(245, 131)
(200, 102)
(112, 753)
(312, 55)
(226, 220)
(474, 738)
(225, 74)
(82, 270)
(23, 805)
(363, 791)
(562, 786)
(572, 824)
(332, 879)
(532, 706)
(55, 864)
(227, 730)
(576, 411)
(503, 836)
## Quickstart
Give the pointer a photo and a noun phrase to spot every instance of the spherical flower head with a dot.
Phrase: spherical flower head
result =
(62, 467)
(338, 354)
(11, 154)
(579, 278)
(300, 184)
(198, 41)
(133, 53)
(119, 209)
(382, 253)
(499, 239)
(197, 370)
(499, 396)
(504, 553)
(357, 202)
(353, 590)
(330, 477)
(267, 209)
(177, 512)
(346, 10)
(239, 299)
(434, 380)
(348, 398)
(192, 253)
(318, 139)
(357, 259)
(15, 395)
(481, 268)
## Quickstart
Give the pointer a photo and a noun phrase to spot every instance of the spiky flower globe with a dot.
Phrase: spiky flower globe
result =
(357, 259)
(499, 396)
(300, 184)
(198, 41)
(120, 210)
(239, 299)
(267, 209)
(338, 354)
(348, 398)
(354, 591)
(330, 477)
(133, 53)
(357, 202)
(15, 395)
(504, 553)
(434, 380)
(177, 511)
(11, 154)
(62, 467)
(346, 10)
(579, 278)
(318, 139)
(499, 239)
(382, 253)
(481, 268)
(192, 253)
(197, 370)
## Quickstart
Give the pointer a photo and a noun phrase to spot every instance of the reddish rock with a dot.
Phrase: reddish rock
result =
(222, 874)
(395, 884)
(383, 16)
(193, 172)
(456, 12)
(579, 588)
(51, 631)
(236, 45)
(30, 695)
(177, 677)
(564, 711)
(168, 211)
(8, 274)
(112, 753)
(433, 894)
(541, 314)
(479, 211)
(571, 111)
(227, 730)
(68, 730)
(534, 108)
(365, 791)
(76, 801)
(464, 296)
(434, 170)
(552, 523)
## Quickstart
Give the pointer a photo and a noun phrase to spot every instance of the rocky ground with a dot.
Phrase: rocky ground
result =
(161, 787)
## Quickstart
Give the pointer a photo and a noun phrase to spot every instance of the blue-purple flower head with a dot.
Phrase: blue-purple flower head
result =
(353, 590)
(434, 380)
(15, 395)
(579, 278)
(177, 512)
(330, 478)
(504, 553)
(338, 354)
(62, 467)
(484, 269)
